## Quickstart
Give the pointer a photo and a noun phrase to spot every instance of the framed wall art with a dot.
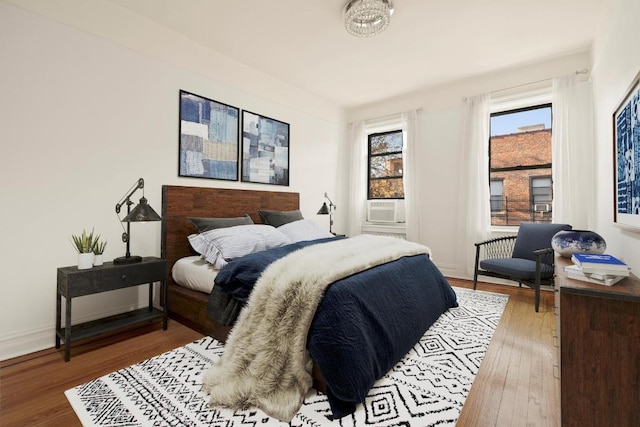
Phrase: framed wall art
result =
(626, 158)
(208, 138)
(265, 149)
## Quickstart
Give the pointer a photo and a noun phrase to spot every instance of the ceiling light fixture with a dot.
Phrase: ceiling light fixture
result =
(366, 18)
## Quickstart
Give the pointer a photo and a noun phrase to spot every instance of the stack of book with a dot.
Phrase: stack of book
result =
(602, 269)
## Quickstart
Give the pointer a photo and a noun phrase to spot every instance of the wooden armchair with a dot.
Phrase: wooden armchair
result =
(526, 258)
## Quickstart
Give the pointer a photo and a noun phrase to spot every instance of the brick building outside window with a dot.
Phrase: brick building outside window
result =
(520, 176)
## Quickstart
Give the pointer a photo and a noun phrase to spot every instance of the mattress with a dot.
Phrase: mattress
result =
(194, 273)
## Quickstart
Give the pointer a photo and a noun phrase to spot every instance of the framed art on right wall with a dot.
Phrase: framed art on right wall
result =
(626, 159)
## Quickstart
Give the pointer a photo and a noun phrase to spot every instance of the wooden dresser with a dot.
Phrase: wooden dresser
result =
(599, 332)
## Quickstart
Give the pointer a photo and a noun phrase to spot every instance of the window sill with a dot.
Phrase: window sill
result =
(394, 228)
(502, 229)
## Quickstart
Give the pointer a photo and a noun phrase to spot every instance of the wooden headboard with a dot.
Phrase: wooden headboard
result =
(179, 203)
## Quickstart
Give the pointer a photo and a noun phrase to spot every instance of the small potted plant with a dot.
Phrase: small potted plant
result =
(84, 244)
(98, 249)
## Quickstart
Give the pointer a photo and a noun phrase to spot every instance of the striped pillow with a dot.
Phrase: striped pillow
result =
(304, 229)
(222, 245)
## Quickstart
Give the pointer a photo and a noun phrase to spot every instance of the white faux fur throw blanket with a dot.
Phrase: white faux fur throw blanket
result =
(265, 361)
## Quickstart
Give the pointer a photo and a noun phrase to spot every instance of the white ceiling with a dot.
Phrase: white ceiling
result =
(429, 42)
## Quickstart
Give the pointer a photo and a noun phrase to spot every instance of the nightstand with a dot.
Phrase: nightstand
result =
(107, 277)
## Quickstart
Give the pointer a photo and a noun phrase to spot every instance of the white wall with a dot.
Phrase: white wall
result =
(616, 63)
(83, 117)
(440, 126)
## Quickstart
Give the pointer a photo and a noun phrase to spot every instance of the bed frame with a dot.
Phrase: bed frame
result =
(187, 306)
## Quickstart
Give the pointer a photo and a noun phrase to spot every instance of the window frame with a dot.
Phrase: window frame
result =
(372, 135)
(517, 104)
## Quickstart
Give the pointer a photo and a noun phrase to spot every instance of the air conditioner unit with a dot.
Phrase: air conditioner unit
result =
(542, 207)
(388, 211)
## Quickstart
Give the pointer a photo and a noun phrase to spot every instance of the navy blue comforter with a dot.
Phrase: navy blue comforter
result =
(365, 323)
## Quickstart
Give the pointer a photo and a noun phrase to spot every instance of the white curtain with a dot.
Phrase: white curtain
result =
(411, 176)
(573, 147)
(358, 178)
(474, 215)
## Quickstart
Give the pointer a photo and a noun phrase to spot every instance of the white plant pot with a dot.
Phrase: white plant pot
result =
(97, 259)
(85, 260)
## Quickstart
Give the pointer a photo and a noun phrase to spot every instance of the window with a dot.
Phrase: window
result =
(541, 196)
(520, 165)
(496, 195)
(385, 165)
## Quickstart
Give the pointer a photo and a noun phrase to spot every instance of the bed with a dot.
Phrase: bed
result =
(404, 276)
(179, 203)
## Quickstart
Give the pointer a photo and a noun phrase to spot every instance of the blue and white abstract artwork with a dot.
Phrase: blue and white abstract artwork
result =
(627, 158)
(265, 150)
(208, 138)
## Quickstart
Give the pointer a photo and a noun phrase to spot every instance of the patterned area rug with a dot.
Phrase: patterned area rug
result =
(427, 388)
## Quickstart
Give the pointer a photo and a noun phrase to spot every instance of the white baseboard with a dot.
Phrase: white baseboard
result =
(26, 342)
(29, 341)
(447, 270)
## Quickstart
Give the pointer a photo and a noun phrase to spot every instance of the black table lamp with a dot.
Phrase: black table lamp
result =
(141, 213)
(327, 210)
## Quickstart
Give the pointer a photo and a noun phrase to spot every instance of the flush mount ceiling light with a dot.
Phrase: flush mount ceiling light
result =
(366, 18)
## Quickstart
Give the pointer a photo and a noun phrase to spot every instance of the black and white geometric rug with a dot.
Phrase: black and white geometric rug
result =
(427, 388)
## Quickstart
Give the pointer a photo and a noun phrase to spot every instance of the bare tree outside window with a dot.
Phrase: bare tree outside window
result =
(386, 165)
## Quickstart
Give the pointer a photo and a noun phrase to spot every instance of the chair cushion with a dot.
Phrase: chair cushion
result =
(533, 236)
(515, 268)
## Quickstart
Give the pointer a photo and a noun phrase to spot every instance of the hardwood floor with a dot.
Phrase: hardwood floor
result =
(515, 385)
(32, 387)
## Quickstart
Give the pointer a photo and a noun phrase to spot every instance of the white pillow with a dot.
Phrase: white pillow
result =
(303, 229)
(222, 245)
